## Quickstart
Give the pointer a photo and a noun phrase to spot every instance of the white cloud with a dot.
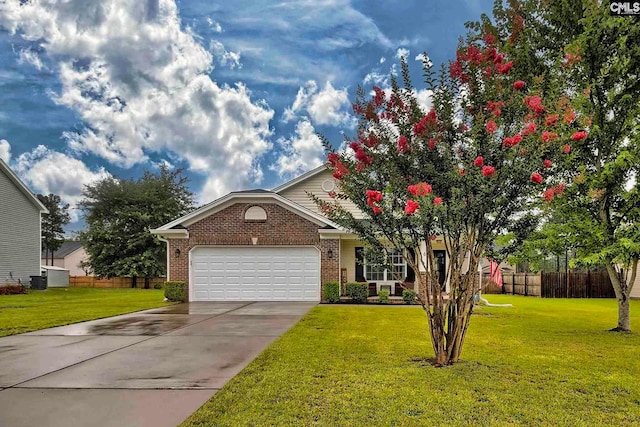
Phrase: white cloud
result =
(140, 83)
(225, 57)
(402, 53)
(5, 150)
(301, 152)
(28, 56)
(422, 57)
(326, 107)
(47, 171)
(424, 97)
(214, 25)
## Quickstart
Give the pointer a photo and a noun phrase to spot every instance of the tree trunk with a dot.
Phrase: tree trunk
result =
(146, 282)
(623, 291)
(134, 281)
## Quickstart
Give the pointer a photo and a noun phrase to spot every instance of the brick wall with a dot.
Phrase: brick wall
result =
(330, 268)
(228, 227)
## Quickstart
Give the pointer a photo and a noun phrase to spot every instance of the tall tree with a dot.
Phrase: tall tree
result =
(53, 223)
(593, 59)
(467, 169)
(119, 214)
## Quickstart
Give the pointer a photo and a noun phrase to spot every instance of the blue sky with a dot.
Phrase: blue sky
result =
(233, 92)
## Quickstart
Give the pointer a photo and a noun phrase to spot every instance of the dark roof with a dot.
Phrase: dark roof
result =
(257, 190)
(67, 247)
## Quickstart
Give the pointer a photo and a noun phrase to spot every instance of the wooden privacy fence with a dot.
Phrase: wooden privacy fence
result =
(574, 284)
(114, 282)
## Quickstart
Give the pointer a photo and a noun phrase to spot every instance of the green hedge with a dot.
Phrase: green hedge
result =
(175, 291)
(358, 292)
(383, 297)
(331, 292)
(409, 296)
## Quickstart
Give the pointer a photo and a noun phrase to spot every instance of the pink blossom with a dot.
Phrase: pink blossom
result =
(479, 161)
(580, 135)
(437, 200)
(491, 126)
(411, 207)
(536, 177)
(488, 171)
(518, 85)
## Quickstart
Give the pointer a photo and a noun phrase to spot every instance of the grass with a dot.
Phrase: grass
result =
(542, 363)
(62, 306)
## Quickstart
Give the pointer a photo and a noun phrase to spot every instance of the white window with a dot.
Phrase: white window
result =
(379, 274)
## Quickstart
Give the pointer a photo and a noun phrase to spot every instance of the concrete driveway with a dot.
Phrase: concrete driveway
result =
(150, 368)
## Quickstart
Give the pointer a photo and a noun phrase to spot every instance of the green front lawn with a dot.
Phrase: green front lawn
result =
(544, 363)
(61, 306)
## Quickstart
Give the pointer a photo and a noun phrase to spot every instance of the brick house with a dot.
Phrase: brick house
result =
(272, 245)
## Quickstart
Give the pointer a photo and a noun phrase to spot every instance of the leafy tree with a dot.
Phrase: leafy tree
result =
(119, 214)
(467, 169)
(593, 59)
(53, 223)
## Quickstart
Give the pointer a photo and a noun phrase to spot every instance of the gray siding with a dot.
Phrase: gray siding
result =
(19, 233)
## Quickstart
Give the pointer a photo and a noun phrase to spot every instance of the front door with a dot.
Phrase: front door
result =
(441, 267)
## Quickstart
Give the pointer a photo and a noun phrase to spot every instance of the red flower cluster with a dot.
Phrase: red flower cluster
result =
(550, 193)
(578, 136)
(566, 149)
(518, 85)
(512, 141)
(419, 189)
(489, 39)
(529, 129)
(549, 136)
(403, 145)
(491, 126)
(437, 200)
(488, 171)
(360, 154)
(479, 161)
(505, 68)
(494, 107)
(411, 207)
(427, 123)
(536, 177)
(552, 120)
(534, 103)
(432, 143)
(379, 96)
(339, 170)
(370, 141)
(547, 163)
(373, 197)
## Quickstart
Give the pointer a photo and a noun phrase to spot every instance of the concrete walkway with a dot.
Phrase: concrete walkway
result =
(151, 368)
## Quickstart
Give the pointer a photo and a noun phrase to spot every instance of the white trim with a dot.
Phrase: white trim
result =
(172, 233)
(23, 188)
(299, 179)
(190, 283)
(256, 197)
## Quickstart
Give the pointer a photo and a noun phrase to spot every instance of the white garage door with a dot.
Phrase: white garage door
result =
(255, 274)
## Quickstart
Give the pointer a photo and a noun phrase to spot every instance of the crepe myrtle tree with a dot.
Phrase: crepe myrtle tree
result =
(467, 169)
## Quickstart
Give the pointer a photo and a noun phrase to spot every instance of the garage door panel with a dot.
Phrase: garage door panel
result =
(255, 273)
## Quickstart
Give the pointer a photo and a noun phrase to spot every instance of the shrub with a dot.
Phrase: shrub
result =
(383, 297)
(157, 286)
(13, 289)
(175, 291)
(409, 296)
(331, 292)
(358, 292)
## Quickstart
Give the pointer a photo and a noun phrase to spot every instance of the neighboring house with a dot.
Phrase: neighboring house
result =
(272, 245)
(635, 291)
(68, 256)
(20, 212)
